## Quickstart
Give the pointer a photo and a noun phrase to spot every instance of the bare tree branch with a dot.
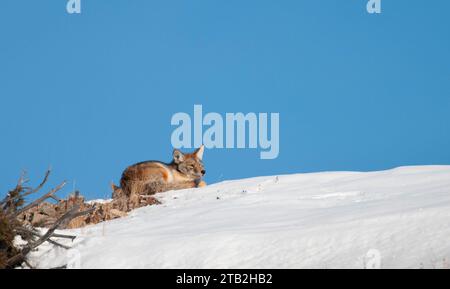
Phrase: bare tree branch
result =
(40, 200)
(47, 174)
(60, 267)
(56, 199)
(64, 236)
(28, 264)
(36, 234)
(57, 244)
(20, 187)
(67, 217)
(11, 207)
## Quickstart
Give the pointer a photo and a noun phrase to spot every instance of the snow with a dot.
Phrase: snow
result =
(99, 201)
(397, 218)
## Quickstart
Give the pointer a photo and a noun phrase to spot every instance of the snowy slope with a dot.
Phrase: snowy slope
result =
(392, 219)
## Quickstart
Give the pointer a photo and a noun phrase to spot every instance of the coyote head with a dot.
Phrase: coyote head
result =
(190, 164)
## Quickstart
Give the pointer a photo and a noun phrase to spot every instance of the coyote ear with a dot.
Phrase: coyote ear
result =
(178, 156)
(199, 152)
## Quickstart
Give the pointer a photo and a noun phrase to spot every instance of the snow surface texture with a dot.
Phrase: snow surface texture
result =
(390, 219)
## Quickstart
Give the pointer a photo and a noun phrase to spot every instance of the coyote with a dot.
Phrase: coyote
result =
(150, 177)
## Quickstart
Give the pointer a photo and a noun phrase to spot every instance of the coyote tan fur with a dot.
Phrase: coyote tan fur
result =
(150, 177)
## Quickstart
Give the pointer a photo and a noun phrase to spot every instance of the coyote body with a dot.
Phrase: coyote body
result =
(150, 177)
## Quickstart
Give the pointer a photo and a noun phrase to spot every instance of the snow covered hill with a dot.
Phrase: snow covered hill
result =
(390, 219)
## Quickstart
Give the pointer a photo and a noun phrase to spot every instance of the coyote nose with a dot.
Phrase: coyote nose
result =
(203, 172)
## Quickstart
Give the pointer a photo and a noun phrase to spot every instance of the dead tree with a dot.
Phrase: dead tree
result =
(12, 206)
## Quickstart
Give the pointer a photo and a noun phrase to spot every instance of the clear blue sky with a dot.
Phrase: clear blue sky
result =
(90, 94)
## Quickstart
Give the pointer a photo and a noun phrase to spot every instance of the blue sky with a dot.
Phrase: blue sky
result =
(93, 93)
